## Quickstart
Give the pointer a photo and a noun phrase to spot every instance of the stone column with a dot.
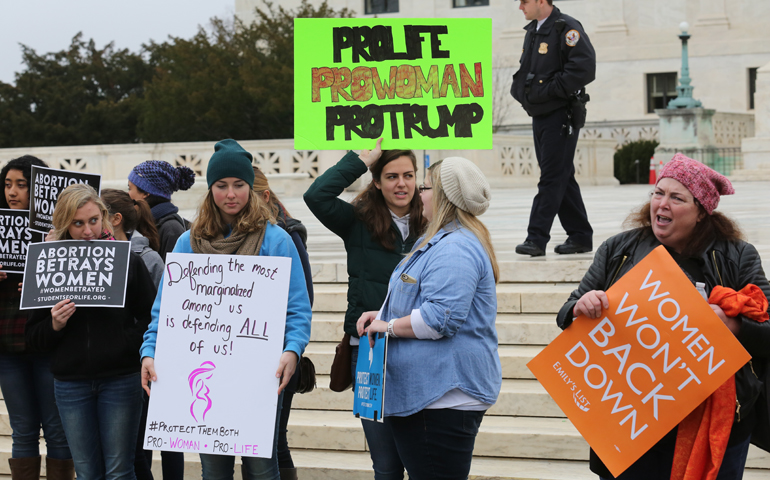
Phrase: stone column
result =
(756, 150)
(762, 103)
(612, 18)
(711, 13)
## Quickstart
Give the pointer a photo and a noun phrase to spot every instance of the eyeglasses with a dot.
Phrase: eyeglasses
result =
(422, 188)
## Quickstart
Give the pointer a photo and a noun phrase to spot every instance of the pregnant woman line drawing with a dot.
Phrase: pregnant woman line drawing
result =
(199, 388)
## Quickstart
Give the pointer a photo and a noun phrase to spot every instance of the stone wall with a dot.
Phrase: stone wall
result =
(512, 162)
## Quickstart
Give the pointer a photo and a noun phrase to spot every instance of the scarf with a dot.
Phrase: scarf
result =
(162, 209)
(235, 244)
(702, 437)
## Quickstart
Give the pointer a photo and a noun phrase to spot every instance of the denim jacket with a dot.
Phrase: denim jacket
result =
(452, 283)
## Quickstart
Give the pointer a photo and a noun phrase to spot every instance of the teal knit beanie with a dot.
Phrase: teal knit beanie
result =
(230, 160)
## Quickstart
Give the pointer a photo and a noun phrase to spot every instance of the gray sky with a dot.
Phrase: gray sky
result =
(49, 25)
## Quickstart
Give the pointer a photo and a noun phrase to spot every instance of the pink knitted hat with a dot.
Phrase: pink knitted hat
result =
(705, 184)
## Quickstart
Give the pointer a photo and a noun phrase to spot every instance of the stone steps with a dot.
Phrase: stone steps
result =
(512, 329)
(547, 269)
(517, 397)
(513, 358)
(511, 297)
(333, 465)
(499, 436)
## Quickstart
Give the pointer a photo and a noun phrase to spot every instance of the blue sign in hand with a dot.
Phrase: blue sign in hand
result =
(369, 383)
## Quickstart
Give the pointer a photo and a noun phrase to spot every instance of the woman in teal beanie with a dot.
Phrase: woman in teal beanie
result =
(233, 220)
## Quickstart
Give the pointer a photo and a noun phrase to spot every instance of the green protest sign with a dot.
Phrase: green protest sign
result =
(419, 83)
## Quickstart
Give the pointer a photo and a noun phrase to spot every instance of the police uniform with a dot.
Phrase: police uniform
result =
(557, 60)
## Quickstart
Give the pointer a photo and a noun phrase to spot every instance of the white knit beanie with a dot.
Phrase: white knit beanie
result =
(465, 186)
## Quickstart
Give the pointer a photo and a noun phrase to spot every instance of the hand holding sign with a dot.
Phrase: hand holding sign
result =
(591, 304)
(61, 313)
(370, 157)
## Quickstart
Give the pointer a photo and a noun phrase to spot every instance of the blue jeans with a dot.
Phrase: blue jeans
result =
(386, 463)
(651, 467)
(101, 420)
(27, 385)
(436, 444)
(221, 467)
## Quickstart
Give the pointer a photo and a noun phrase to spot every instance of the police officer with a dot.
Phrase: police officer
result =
(557, 62)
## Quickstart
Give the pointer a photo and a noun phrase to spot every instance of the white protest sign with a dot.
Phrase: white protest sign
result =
(220, 338)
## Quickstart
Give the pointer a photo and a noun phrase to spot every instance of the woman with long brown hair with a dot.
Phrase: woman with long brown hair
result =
(233, 220)
(378, 227)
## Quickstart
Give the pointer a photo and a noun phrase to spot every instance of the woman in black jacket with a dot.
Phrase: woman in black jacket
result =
(94, 352)
(154, 181)
(709, 248)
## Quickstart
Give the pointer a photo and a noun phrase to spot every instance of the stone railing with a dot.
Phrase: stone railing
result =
(511, 162)
(620, 131)
(731, 128)
(290, 171)
(114, 162)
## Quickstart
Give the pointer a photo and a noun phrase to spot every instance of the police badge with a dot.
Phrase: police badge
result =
(543, 48)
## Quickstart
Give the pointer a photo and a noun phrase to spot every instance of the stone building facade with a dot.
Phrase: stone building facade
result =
(638, 56)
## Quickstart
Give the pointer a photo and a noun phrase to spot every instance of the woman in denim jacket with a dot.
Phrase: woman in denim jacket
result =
(443, 369)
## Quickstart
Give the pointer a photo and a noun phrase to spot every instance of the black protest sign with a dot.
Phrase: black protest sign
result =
(15, 237)
(90, 273)
(47, 184)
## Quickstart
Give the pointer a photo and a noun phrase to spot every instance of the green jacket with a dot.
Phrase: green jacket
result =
(369, 263)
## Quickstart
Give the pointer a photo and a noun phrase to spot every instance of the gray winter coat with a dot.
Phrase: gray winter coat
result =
(141, 246)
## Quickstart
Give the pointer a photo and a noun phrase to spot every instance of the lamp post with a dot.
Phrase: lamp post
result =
(684, 89)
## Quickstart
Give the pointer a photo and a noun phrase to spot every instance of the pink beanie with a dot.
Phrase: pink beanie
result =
(705, 184)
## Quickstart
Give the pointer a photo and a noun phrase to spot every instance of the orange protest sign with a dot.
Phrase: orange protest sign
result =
(629, 377)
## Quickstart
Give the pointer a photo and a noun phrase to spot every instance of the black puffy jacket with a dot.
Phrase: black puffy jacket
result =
(561, 59)
(729, 264)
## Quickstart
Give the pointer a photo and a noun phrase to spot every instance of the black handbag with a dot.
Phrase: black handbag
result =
(306, 383)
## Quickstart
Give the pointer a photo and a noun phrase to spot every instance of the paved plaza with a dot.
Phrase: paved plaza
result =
(607, 207)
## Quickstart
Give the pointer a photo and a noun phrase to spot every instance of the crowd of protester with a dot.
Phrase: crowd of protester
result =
(422, 270)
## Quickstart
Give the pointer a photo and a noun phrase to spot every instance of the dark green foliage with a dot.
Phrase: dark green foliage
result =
(230, 81)
(625, 167)
(82, 95)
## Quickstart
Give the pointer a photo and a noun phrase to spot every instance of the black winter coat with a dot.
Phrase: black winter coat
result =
(170, 228)
(98, 342)
(729, 264)
(560, 58)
